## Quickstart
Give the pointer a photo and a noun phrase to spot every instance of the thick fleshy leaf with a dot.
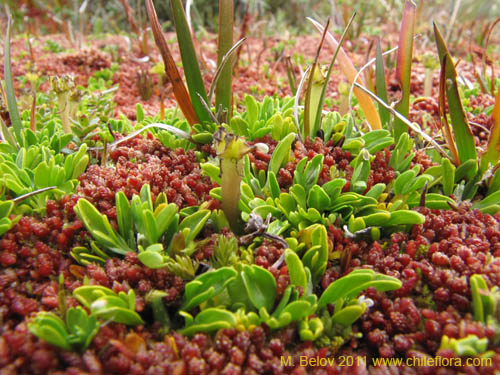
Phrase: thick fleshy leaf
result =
(281, 153)
(296, 269)
(209, 320)
(260, 286)
(206, 286)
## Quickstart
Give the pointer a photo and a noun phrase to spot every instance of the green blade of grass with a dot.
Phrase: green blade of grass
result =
(492, 154)
(290, 75)
(15, 119)
(178, 87)
(445, 126)
(403, 66)
(192, 71)
(317, 123)
(348, 69)
(462, 132)
(381, 86)
(220, 67)
(314, 82)
(223, 92)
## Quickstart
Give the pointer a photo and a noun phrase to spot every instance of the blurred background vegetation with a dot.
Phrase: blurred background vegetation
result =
(460, 18)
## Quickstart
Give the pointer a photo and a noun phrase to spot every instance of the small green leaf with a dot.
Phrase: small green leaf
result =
(318, 198)
(348, 315)
(281, 153)
(296, 269)
(206, 286)
(260, 286)
(194, 223)
(208, 320)
(151, 259)
(405, 217)
(448, 176)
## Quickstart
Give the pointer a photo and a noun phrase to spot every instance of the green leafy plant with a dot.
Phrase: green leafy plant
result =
(105, 304)
(245, 297)
(33, 168)
(74, 333)
(470, 346)
(5, 220)
(225, 252)
(485, 301)
(151, 229)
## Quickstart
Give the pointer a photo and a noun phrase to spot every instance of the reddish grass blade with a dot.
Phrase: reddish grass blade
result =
(492, 153)
(347, 67)
(180, 91)
(464, 139)
(403, 66)
(445, 126)
(223, 91)
(192, 72)
(129, 13)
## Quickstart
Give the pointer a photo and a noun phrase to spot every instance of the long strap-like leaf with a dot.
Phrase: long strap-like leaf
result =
(180, 92)
(15, 119)
(223, 92)
(190, 64)
(347, 67)
(464, 138)
(403, 66)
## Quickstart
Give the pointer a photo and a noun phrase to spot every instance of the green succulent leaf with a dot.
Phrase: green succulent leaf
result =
(281, 153)
(208, 320)
(348, 315)
(206, 286)
(260, 286)
(49, 327)
(296, 270)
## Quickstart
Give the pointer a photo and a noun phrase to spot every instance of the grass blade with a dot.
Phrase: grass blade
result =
(403, 66)
(192, 71)
(347, 67)
(223, 91)
(312, 99)
(492, 153)
(179, 89)
(296, 102)
(291, 76)
(381, 86)
(462, 132)
(317, 123)
(15, 119)
(220, 67)
(445, 126)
